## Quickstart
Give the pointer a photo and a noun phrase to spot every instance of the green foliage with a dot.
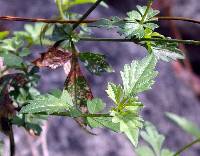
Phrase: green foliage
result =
(139, 75)
(3, 34)
(95, 105)
(134, 27)
(186, 125)
(155, 142)
(100, 122)
(129, 124)
(48, 104)
(29, 122)
(95, 63)
(19, 77)
(136, 77)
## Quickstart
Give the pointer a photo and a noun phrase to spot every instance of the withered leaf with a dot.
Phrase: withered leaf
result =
(6, 104)
(77, 86)
(53, 58)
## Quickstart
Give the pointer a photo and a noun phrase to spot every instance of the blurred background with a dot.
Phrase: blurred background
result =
(177, 87)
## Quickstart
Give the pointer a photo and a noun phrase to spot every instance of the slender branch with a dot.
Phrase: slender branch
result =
(140, 40)
(87, 13)
(185, 19)
(44, 20)
(186, 147)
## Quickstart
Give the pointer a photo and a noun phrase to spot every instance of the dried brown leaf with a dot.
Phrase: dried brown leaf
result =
(53, 58)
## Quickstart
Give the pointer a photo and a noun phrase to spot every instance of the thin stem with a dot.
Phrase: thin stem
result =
(186, 147)
(185, 19)
(140, 40)
(59, 5)
(82, 115)
(86, 14)
(146, 11)
(12, 141)
(44, 20)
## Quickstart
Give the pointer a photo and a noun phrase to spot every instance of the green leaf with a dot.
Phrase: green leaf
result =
(56, 92)
(133, 26)
(3, 34)
(24, 52)
(95, 105)
(113, 22)
(167, 51)
(186, 125)
(34, 31)
(29, 122)
(115, 92)
(11, 60)
(144, 151)
(130, 123)
(95, 63)
(48, 104)
(99, 122)
(152, 136)
(138, 76)
(166, 152)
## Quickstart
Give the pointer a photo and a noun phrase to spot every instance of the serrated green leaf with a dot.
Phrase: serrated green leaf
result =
(130, 123)
(99, 122)
(95, 105)
(115, 92)
(150, 15)
(139, 75)
(186, 125)
(167, 55)
(134, 27)
(144, 151)
(152, 136)
(95, 63)
(48, 104)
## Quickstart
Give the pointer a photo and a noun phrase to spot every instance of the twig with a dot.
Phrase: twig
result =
(86, 14)
(44, 20)
(186, 147)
